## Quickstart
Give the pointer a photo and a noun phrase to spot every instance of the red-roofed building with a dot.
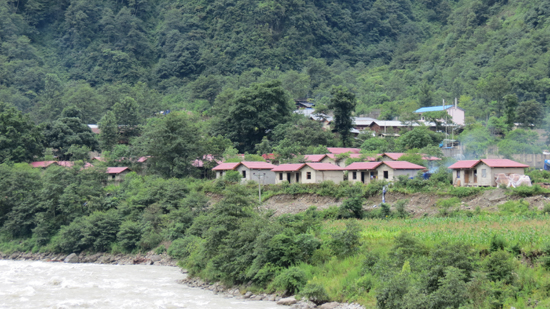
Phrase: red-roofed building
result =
(250, 170)
(42, 164)
(308, 173)
(336, 150)
(117, 174)
(320, 158)
(474, 173)
(365, 172)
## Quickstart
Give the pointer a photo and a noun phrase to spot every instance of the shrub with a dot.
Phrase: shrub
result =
(316, 293)
(400, 208)
(129, 235)
(232, 176)
(374, 188)
(385, 211)
(353, 205)
(345, 243)
(525, 191)
(182, 248)
(499, 266)
(291, 280)
(464, 191)
(149, 239)
(497, 243)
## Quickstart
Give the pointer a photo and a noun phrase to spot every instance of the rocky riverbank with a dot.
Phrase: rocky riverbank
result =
(95, 258)
(291, 301)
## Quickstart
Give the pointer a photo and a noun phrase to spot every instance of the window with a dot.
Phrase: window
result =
(280, 176)
(354, 175)
(484, 173)
(386, 174)
(308, 175)
(244, 174)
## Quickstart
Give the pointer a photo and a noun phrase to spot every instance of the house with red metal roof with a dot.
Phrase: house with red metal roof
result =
(320, 158)
(308, 173)
(249, 170)
(365, 172)
(482, 173)
(339, 150)
(42, 164)
(117, 174)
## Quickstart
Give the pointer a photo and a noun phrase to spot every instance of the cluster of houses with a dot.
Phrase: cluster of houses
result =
(319, 168)
(116, 174)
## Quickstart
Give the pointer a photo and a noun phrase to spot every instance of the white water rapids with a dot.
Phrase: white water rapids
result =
(27, 284)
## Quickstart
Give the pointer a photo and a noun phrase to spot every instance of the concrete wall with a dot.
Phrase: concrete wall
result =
(268, 179)
(494, 171)
(328, 160)
(367, 176)
(278, 179)
(117, 178)
(408, 173)
(384, 168)
(457, 115)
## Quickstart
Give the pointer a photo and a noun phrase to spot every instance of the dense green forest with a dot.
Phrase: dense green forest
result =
(395, 55)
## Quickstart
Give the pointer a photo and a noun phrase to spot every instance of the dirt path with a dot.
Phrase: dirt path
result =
(419, 204)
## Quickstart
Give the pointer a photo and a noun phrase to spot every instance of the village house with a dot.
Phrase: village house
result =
(45, 164)
(308, 173)
(249, 170)
(320, 158)
(117, 174)
(365, 172)
(481, 173)
(456, 113)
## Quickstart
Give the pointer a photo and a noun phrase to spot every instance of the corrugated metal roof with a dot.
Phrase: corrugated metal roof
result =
(433, 109)
(143, 159)
(464, 164)
(324, 167)
(335, 150)
(363, 166)
(293, 167)
(226, 166)
(363, 121)
(403, 165)
(314, 157)
(503, 163)
(393, 155)
(117, 170)
(258, 165)
(42, 163)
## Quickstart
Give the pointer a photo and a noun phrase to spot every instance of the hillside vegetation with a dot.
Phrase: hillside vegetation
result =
(395, 55)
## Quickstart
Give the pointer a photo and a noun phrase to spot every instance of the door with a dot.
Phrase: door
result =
(288, 177)
(297, 177)
(466, 177)
(363, 177)
(475, 176)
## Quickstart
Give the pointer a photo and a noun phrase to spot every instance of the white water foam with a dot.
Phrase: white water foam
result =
(26, 284)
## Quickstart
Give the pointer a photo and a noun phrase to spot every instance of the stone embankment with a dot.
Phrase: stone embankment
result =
(291, 301)
(95, 258)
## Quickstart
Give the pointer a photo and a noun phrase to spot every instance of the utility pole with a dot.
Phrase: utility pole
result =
(259, 175)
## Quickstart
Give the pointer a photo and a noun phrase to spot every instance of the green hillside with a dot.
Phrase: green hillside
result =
(395, 55)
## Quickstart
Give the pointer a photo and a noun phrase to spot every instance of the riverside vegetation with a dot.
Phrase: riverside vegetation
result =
(379, 258)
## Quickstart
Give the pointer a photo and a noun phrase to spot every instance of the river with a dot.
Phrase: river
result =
(28, 284)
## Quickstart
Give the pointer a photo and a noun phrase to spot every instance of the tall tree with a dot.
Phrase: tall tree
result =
(67, 131)
(173, 142)
(530, 113)
(20, 139)
(343, 105)
(252, 113)
(108, 137)
(510, 105)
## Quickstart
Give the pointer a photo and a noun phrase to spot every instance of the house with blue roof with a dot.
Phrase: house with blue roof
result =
(456, 113)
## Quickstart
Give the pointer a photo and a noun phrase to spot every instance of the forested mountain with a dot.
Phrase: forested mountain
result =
(395, 55)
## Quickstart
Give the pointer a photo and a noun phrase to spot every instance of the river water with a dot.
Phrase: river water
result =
(27, 284)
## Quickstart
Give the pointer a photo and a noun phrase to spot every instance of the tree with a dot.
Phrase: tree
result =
(343, 105)
(67, 131)
(252, 113)
(510, 105)
(108, 136)
(20, 139)
(419, 137)
(127, 117)
(530, 113)
(174, 142)
(303, 131)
